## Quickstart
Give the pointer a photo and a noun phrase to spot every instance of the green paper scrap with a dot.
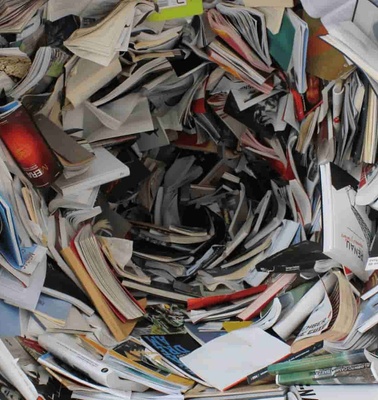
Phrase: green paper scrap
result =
(281, 44)
(55, 69)
(171, 11)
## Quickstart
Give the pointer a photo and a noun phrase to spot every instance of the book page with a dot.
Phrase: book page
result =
(304, 307)
(318, 321)
(57, 9)
(326, 9)
(245, 351)
(269, 3)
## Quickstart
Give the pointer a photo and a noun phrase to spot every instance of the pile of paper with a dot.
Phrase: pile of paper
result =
(188, 199)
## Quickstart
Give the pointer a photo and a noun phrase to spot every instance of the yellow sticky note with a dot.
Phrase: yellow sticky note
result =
(230, 326)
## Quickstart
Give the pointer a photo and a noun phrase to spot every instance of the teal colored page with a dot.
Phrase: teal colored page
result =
(281, 44)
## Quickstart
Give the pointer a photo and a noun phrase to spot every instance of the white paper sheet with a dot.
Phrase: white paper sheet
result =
(229, 359)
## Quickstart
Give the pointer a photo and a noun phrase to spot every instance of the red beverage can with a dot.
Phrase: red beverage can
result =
(27, 146)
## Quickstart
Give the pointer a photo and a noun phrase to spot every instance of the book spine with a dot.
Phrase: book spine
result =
(94, 294)
(265, 372)
(263, 299)
(345, 374)
(72, 354)
(325, 361)
(28, 148)
(203, 302)
(362, 122)
(287, 269)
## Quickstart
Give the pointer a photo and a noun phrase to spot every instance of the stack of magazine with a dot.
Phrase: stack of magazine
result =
(188, 199)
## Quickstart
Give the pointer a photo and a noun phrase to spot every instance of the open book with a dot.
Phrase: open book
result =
(89, 251)
(101, 42)
(332, 319)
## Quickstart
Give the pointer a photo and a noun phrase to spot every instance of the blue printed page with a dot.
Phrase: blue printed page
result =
(9, 243)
